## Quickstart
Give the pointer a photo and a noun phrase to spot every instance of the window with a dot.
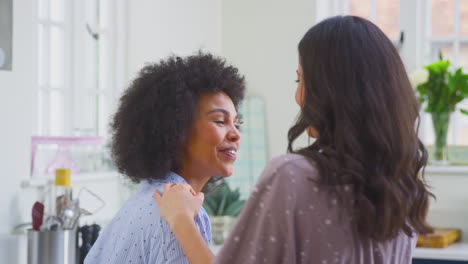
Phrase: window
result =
(80, 66)
(447, 32)
(429, 26)
(384, 13)
(54, 39)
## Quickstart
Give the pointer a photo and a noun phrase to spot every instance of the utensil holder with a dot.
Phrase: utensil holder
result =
(52, 247)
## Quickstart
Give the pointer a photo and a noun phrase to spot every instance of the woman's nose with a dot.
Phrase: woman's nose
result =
(234, 134)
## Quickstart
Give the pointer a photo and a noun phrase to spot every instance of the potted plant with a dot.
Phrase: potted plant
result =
(223, 205)
(441, 91)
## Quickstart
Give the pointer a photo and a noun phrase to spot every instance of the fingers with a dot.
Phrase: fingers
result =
(201, 196)
(167, 186)
(191, 190)
(185, 187)
(157, 196)
(177, 187)
(199, 201)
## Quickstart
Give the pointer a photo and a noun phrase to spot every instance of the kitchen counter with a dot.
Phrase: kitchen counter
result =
(455, 252)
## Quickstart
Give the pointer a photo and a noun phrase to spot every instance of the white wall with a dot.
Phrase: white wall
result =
(159, 28)
(155, 29)
(16, 116)
(261, 38)
(450, 208)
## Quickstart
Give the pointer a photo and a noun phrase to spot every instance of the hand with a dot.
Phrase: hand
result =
(178, 201)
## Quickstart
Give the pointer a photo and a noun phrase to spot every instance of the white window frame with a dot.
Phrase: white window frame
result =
(112, 68)
(455, 40)
(43, 125)
(415, 52)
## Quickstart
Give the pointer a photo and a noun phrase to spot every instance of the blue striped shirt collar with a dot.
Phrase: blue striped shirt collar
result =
(171, 177)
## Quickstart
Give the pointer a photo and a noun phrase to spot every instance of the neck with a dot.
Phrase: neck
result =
(195, 178)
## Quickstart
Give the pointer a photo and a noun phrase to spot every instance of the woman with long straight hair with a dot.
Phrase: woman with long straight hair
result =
(357, 193)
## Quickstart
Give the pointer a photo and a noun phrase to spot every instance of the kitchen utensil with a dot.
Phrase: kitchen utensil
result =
(37, 215)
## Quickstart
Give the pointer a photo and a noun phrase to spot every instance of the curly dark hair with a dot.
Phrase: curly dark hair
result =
(360, 101)
(156, 111)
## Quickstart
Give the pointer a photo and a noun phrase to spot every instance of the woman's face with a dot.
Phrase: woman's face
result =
(213, 138)
(300, 87)
(299, 96)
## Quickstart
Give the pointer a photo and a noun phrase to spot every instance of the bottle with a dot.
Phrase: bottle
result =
(59, 199)
(62, 191)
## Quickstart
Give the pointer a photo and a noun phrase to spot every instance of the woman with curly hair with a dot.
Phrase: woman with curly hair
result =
(177, 123)
(357, 193)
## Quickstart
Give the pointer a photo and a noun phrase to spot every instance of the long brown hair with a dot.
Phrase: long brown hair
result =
(360, 101)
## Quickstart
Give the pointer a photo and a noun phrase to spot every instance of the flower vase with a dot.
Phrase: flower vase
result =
(221, 226)
(440, 122)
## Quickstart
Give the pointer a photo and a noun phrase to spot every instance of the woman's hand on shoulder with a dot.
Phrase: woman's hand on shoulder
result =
(179, 202)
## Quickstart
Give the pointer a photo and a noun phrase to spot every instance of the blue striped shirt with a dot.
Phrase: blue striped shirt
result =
(138, 234)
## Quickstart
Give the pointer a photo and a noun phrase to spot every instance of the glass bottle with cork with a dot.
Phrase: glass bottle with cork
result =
(63, 190)
(60, 198)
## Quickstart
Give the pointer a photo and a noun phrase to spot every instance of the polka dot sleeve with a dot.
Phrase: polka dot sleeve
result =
(265, 231)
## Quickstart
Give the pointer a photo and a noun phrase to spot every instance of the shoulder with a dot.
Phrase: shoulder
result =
(287, 174)
(291, 165)
(137, 227)
(140, 213)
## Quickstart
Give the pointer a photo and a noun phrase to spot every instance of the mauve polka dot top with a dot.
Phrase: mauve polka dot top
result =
(289, 218)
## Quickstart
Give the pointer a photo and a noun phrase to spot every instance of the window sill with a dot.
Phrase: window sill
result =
(78, 178)
(447, 170)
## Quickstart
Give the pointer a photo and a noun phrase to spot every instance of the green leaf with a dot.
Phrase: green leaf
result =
(235, 208)
(222, 200)
(233, 196)
(208, 209)
(438, 68)
(211, 202)
(444, 88)
(463, 111)
(222, 204)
